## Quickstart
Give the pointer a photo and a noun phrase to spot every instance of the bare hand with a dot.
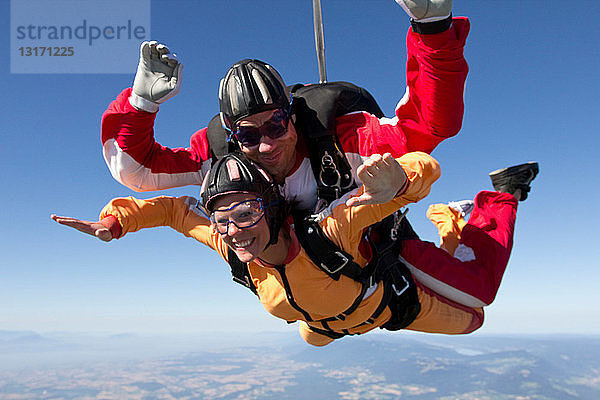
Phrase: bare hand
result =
(382, 178)
(88, 227)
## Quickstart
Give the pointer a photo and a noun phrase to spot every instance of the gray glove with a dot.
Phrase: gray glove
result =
(158, 77)
(426, 10)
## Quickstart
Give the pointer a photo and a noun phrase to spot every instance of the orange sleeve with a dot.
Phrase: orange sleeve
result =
(175, 212)
(344, 225)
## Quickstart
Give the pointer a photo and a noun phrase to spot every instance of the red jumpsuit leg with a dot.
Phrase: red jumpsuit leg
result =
(473, 276)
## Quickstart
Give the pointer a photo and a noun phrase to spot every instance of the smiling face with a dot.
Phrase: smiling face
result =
(247, 243)
(276, 156)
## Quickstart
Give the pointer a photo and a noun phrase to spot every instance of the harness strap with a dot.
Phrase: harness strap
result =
(328, 333)
(330, 168)
(323, 252)
(404, 303)
(316, 107)
(239, 271)
(385, 239)
(289, 295)
(218, 139)
(342, 316)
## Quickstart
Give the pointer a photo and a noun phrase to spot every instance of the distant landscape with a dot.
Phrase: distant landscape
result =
(280, 366)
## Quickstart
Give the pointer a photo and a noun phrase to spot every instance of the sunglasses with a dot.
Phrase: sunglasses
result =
(275, 127)
(243, 215)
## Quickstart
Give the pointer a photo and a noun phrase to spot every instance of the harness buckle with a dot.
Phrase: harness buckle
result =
(328, 167)
(399, 292)
(398, 217)
(342, 257)
(245, 281)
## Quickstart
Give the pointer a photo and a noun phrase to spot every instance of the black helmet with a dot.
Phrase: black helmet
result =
(250, 87)
(234, 173)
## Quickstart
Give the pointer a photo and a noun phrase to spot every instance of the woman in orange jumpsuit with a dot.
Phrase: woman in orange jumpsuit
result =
(247, 215)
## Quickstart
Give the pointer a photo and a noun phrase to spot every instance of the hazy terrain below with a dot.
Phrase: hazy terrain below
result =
(280, 366)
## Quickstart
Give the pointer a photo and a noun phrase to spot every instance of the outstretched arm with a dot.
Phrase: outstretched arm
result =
(432, 107)
(128, 214)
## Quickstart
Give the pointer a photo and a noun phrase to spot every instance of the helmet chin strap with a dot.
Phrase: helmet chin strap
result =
(268, 244)
(271, 241)
(277, 255)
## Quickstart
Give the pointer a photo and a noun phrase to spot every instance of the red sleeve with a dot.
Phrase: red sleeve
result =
(432, 107)
(137, 160)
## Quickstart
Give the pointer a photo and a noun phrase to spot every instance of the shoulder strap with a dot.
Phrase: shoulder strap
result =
(316, 108)
(321, 103)
(217, 139)
(323, 252)
(385, 238)
(239, 271)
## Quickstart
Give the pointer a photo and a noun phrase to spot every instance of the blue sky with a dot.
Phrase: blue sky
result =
(532, 94)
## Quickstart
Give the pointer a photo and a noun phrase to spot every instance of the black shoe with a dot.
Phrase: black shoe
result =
(508, 180)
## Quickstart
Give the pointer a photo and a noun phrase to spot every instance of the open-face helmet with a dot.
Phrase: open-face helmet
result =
(250, 87)
(234, 173)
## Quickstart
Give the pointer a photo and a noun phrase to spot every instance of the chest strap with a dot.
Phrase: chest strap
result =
(239, 271)
(332, 260)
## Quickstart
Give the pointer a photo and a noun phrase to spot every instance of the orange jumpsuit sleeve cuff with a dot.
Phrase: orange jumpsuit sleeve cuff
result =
(112, 224)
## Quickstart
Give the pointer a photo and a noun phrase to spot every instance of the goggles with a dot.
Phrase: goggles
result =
(243, 215)
(275, 127)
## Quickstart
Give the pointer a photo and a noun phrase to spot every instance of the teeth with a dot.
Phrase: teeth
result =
(243, 243)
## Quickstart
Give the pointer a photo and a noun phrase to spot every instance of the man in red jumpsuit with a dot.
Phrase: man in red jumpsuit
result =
(430, 111)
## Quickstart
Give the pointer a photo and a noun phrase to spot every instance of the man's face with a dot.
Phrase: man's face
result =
(276, 156)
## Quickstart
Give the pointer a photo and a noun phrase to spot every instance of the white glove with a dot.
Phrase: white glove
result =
(426, 10)
(382, 178)
(158, 77)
